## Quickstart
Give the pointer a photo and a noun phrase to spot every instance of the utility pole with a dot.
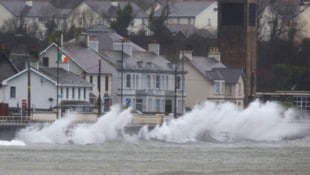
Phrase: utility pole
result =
(57, 79)
(175, 91)
(99, 89)
(122, 72)
(29, 89)
(183, 82)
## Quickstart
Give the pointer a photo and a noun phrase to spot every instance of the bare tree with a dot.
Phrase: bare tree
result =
(278, 20)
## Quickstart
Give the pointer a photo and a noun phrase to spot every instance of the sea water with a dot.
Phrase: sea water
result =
(264, 138)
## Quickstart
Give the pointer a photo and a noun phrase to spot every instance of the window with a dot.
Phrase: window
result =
(148, 81)
(45, 62)
(229, 89)
(91, 79)
(13, 92)
(209, 22)
(157, 105)
(137, 81)
(232, 14)
(61, 92)
(239, 89)
(134, 81)
(157, 81)
(106, 83)
(150, 105)
(216, 88)
(73, 94)
(79, 93)
(84, 93)
(163, 82)
(128, 80)
(178, 83)
(167, 83)
(67, 93)
(139, 103)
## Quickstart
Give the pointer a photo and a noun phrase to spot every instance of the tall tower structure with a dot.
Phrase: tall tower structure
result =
(237, 37)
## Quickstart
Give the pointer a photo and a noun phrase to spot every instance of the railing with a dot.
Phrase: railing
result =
(13, 120)
(80, 118)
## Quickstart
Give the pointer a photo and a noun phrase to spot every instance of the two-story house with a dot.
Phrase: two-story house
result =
(208, 79)
(86, 63)
(146, 81)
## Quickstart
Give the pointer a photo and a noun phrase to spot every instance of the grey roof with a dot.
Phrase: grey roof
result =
(6, 68)
(188, 8)
(88, 59)
(229, 75)
(39, 7)
(186, 29)
(204, 64)
(65, 78)
(139, 61)
(101, 28)
(106, 37)
(105, 7)
(19, 60)
(215, 70)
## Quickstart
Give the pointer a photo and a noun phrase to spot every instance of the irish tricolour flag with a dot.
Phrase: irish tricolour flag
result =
(62, 58)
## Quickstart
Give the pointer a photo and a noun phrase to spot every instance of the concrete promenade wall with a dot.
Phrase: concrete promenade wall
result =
(9, 125)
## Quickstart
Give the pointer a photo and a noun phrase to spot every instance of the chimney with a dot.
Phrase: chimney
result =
(93, 43)
(154, 47)
(82, 39)
(28, 3)
(187, 54)
(215, 53)
(125, 45)
(114, 3)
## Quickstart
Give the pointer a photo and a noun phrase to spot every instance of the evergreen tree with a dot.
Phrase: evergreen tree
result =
(123, 19)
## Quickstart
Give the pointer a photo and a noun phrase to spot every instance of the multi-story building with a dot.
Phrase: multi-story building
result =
(146, 81)
(301, 99)
(209, 79)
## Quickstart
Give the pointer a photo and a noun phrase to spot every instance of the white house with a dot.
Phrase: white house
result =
(43, 88)
(84, 62)
(208, 79)
(146, 81)
(200, 14)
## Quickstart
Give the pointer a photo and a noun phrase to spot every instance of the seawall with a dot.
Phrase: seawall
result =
(8, 132)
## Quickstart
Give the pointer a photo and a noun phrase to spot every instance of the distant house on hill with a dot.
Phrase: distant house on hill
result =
(91, 12)
(31, 14)
(208, 79)
(200, 14)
